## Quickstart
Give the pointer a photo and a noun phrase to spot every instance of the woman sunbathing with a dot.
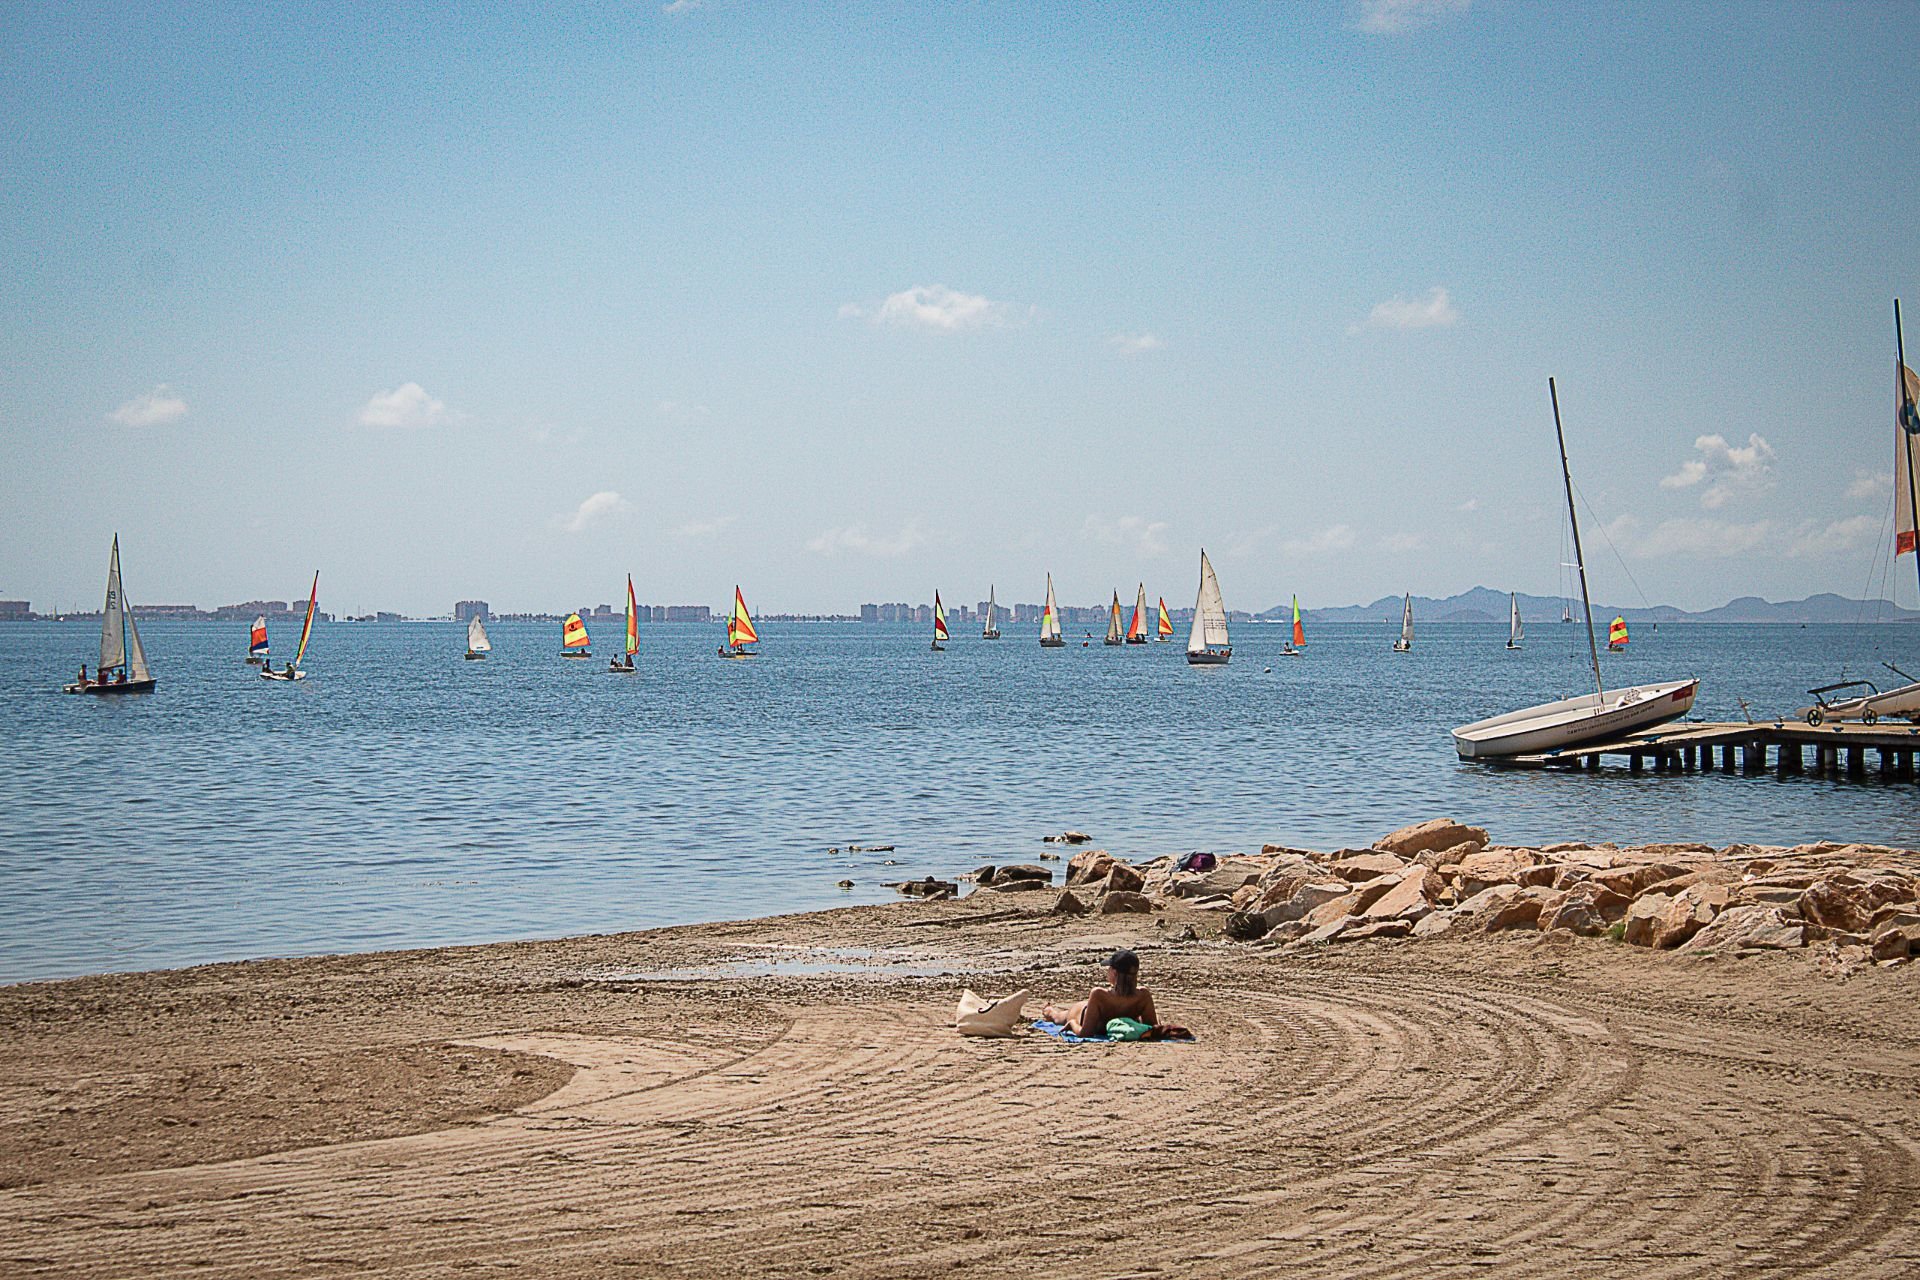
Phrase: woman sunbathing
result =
(1124, 998)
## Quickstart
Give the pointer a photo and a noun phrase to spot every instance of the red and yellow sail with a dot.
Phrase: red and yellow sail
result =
(1165, 625)
(1617, 633)
(306, 629)
(1299, 632)
(633, 619)
(939, 618)
(1137, 629)
(573, 633)
(740, 623)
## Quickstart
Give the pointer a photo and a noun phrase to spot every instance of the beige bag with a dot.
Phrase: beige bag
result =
(979, 1016)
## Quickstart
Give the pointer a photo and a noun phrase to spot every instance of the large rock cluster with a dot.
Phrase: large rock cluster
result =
(1443, 878)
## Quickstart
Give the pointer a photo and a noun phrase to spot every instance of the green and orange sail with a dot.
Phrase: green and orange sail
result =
(633, 619)
(1617, 634)
(1299, 632)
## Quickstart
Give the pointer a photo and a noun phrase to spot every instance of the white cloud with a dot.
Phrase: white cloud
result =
(1471, 504)
(406, 406)
(1401, 543)
(1136, 533)
(857, 539)
(1813, 539)
(1337, 537)
(155, 408)
(1134, 343)
(1698, 537)
(698, 530)
(682, 6)
(1394, 17)
(1729, 470)
(1869, 485)
(932, 306)
(1434, 311)
(595, 507)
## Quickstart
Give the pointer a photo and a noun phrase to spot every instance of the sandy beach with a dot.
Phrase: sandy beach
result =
(702, 1101)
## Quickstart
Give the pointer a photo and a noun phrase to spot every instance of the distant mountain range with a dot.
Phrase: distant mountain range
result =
(1482, 604)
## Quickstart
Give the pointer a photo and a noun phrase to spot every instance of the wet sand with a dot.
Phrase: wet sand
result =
(1508, 1104)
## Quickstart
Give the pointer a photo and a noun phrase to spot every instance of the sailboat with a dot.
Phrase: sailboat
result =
(1297, 639)
(1566, 612)
(1405, 642)
(257, 642)
(633, 635)
(292, 670)
(1114, 634)
(740, 632)
(1590, 717)
(573, 638)
(478, 646)
(1207, 643)
(939, 625)
(1514, 631)
(1137, 629)
(1163, 628)
(1050, 637)
(123, 660)
(1617, 634)
(991, 631)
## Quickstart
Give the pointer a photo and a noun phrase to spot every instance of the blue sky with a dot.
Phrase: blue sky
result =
(849, 302)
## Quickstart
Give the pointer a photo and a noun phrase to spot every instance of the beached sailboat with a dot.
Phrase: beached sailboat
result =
(1137, 628)
(740, 632)
(123, 659)
(617, 665)
(991, 631)
(1590, 717)
(939, 624)
(1514, 631)
(257, 642)
(1163, 628)
(574, 642)
(1114, 634)
(1207, 643)
(292, 670)
(1617, 634)
(478, 646)
(1405, 642)
(1050, 637)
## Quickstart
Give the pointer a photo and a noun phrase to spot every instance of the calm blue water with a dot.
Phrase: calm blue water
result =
(403, 796)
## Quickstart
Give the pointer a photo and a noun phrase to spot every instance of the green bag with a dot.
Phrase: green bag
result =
(1127, 1029)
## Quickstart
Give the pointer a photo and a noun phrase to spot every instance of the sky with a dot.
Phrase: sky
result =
(850, 302)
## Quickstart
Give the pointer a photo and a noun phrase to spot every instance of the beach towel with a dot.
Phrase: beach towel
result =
(1166, 1031)
(979, 1016)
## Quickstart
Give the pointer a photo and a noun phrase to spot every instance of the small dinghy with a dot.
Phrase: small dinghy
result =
(1050, 636)
(574, 641)
(478, 646)
(939, 625)
(1405, 642)
(624, 666)
(292, 671)
(740, 633)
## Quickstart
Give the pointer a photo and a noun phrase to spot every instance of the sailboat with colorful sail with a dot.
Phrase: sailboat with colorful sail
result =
(1164, 627)
(574, 641)
(1114, 634)
(1617, 634)
(257, 642)
(991, 631)
(1050, 637)
(740, 632)
(939, 625)
(1137, 629)
(1405, 642)
(1514, 630)
(632, 646)
(292, 670)
(478, 646)
(123, 659)
(1207, 642)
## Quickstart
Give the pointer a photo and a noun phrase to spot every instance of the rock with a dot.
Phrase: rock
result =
(1049, 857)
(981, 875)
(1684, 915)
(1023, 871)
(1835, 904)
(1227, 875)
(1748, 927)
(1116, 903)
(1894, 941)
(1292, 931)
(1368, 892)
(845, 884)
(1368, 866)
(1336, 909)
(1302, 854)
(1578, 911)
(1326, 932)
(1449, 855)
(1439, 922)
(1408, 900)
(1642, 919)
(1522, 909)
(1212, 902)
(1480, 871)
(1305, 898)
(1246, 926)
(1439, 833)
(1089, 865)
(1632, 881)
(1068, 905)
(1003, 883)
(926, 888)
(1067, 837)
(1123, 878)
(1376, 929)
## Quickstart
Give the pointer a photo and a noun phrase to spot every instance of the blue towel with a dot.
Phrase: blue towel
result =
(1065, 1036)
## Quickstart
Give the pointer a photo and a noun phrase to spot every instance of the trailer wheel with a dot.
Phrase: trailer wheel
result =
(1869, 716)
(1814, 716)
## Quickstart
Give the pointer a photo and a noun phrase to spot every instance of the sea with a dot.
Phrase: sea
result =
(404, 797)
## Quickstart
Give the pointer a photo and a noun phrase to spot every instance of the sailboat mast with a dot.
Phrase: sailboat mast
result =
(1907, 424)
(1579, 559)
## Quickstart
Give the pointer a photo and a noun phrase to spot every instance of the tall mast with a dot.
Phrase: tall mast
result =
(1909, 424)
(1580, 560)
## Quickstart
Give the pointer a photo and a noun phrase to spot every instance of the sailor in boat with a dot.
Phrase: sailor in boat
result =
(83, 675)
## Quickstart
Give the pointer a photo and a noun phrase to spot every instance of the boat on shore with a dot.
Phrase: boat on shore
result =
(617, 665)
(1599, 716)
(1207, 643)
(292, 670)
(740, 633)
(1405, 642)
(123, 659)
(574, 641)
(1050, 636)
(478, 646)
(257, 642)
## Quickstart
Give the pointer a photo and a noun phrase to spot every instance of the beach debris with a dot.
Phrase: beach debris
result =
(1067, 837)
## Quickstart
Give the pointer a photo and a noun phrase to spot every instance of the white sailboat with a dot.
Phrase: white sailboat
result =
(123, 660)
(478, 646)
(1590, 717)
(991, 631)
(1207, 643)
(1050, 637)
(1514, 631)
(1405, 642)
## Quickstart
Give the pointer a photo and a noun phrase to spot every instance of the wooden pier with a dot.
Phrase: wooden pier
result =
(1797, 748)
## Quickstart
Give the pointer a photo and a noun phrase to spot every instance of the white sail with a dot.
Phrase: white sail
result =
(1517, 630)
(113, 640)
(477, 637)
(136, 653)
(989, 629)
(1050, 621)
(1113, 620)
(1209, 613)
(1406, 621)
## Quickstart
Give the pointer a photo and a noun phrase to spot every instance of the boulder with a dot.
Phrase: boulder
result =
(1122, 878)
(981, 875)
(1894, 941)
(1116, 903)
(1068, 905)
(1408, 900)
(1480, 871)
(1367, 866)
(1023, 871)
(1833, 903)
(1067, 837)
(1522, 909)
(1227, 875)
(1300, 854)
(1336, 909)
(1746, 928)
(1088, 866)
(1327, 932)
(1305, 898)
(1439, 833)
(1642, 919)
(1633, 880)
(1375, 929)
(1578, 911)
(1448, 856)
(1684, 915)
(1245, 926)
(928, 888)
(1436, 923)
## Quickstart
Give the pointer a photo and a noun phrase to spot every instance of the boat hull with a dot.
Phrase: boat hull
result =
(282, 676)
(1136, 639)
(575, 653)
(476, 657)
(1209, 657)
(1401, 646)
(1053, 644)
(1573, 721)
(131, 686)
(990, 635)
